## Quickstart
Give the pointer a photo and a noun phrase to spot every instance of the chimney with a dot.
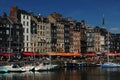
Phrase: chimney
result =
(13, 11)
(4, 14)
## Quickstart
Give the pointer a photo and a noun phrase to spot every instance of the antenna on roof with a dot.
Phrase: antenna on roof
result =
(103, 22)
(39, 14)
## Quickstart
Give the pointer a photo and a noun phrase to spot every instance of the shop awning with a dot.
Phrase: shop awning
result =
(64, 54)
(117, 54)
(70, 54)
(110, 54)
(31, 54)
(6, 54)
(90, 54)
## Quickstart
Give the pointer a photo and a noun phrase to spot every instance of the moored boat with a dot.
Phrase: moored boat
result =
(110, 65)
(3, 70)
(17, 68)
(45, 67)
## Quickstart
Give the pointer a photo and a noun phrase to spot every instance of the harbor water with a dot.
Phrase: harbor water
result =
(89, 73)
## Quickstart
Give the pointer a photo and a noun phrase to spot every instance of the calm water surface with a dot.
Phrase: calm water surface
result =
(94, 73)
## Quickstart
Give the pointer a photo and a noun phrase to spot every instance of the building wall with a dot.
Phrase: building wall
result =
(90, 39)
(76, 42)
(67, 40)
(11, 35)
(97, 46)
(26, 22)
(102, 43)
(60, 37)
(42, 30)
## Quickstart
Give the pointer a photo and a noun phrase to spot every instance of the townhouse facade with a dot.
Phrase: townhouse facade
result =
(11, 35)
(54, 33)
(90, 39)
(25, 19)
(115, 43)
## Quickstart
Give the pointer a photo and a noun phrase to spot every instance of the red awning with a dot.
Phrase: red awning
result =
(90, 55)
(1, 54)
(6, 54)
(64, 54)
(117, 54)
(31, 54)
(110, 54)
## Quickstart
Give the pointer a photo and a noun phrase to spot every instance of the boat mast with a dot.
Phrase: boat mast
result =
(34, 45)
(108, 47)
(103, 26)
(9, 39)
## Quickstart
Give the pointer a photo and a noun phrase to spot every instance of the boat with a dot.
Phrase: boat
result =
(17, 68)
(44, 66)
(3, 70)
(109, 64)
(74, 64)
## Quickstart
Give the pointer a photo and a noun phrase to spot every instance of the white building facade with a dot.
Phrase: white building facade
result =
(26, 22)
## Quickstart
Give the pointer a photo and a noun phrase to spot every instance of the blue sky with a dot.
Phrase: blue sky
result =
(89, 10)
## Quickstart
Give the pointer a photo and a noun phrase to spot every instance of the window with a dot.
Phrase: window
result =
(23, 16)
(41, 27)
(27, 17)
(27, 49)
(7, 31)
(27, 30)
(23, 23)
(7, 25)
(27, 23)
(0, 38)
(27, 44)
(0, 32)
(17, 33)
(27, 37)
(24, 30)
(17, 27)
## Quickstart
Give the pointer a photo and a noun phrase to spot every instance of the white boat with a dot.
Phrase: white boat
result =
(45, 67)
(3, 70)
(109, 64)
(16, 68)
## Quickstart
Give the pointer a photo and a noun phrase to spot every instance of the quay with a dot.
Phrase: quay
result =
(38, 62)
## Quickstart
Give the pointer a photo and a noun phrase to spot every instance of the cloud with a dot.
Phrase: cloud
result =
(115, 30)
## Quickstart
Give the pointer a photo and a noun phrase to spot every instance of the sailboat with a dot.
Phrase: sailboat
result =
(4, 68)
(46, 65)
(109, 64)
(14, 67)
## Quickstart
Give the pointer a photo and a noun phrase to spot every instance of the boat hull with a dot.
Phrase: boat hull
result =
(110, 65)
(3, 70)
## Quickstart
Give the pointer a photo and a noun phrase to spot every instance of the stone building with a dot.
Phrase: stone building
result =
(11, 35)
(90, 39)
(57, 32)
(25, 19)
(98, 40)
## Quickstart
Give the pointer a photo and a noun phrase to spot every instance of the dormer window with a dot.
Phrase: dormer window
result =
(23, 16)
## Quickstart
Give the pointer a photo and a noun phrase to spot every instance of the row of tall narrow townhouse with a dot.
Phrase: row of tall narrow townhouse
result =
(98, 40)
(11, 35)
(66, 36)
(25, 19)
(51, 34)
(57, 32)
(41, 36)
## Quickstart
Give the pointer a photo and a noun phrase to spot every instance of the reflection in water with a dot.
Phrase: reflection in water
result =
(94, 73)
